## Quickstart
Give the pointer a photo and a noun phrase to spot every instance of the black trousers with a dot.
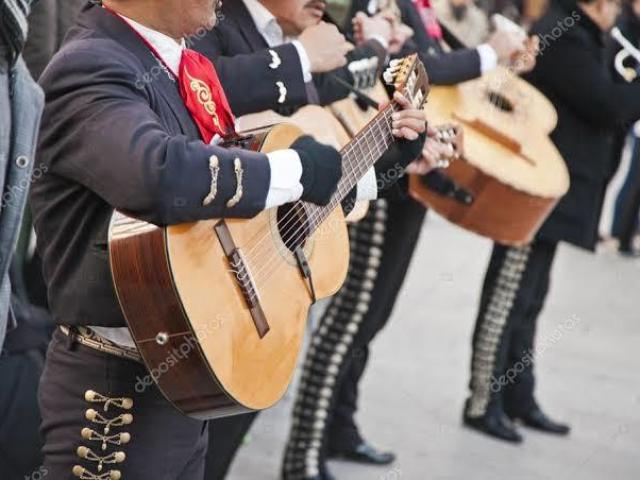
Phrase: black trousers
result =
(20, 443)
(225, 437)
(21, 365)
(403, 227)
(382, 246)
(95, 420)
(627, 205)
(513, 295)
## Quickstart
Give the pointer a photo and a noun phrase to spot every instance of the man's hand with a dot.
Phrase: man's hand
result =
(400, 32)
(507, 44)
(321, 170)
(366, 27)
(326, 47)
(525, 61)
(409, 123)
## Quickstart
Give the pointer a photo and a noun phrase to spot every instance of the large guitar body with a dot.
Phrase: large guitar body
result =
(209, 354)
(511, 167)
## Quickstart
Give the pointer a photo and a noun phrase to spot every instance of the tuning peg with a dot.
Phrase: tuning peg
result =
(389, 77)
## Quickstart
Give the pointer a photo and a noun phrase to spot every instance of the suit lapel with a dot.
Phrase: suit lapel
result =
(237, 11)
(153, 72)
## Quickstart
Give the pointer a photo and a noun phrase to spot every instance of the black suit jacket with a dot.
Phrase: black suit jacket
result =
(573, 72)
(116, 134)
(242, 58)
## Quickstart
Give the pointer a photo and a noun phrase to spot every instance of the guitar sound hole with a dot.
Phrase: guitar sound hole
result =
(293, 225)
(500, 101)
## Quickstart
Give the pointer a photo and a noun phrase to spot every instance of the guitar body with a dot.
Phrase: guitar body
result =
(179, 293)
(500, 212)
(510, 165)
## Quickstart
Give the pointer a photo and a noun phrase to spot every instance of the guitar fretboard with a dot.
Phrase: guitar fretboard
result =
(358, 156)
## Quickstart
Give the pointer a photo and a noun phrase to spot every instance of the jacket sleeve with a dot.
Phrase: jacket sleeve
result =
(267, 79)
(100, 131)
(577, 75)
(331, 90)
(444, 68)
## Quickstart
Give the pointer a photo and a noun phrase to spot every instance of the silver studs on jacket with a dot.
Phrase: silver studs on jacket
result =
(235, 200)
(214, 169)
(104, 436)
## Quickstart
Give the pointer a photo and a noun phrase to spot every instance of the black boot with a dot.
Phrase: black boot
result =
(535, 418)
(493, 423)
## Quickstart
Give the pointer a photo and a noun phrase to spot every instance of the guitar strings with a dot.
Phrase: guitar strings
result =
(288, 221)
(260, 278)
(308, 225)
(291, 215)
(265, 271)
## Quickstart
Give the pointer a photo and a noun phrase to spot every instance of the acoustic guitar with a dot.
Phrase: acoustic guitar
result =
(231, 295)
(512, 175)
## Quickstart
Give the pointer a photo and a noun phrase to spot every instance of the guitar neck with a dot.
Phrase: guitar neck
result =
(358, 156)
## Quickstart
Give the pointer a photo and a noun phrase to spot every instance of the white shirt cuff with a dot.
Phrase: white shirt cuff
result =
(120, 335)
(380, 39)
(304, 61)
(488, 58)
(286, 171)
(367, 186)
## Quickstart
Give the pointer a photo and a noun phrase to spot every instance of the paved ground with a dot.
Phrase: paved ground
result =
(414, 389)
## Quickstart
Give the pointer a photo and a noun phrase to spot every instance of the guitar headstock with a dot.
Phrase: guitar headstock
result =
(409, 77)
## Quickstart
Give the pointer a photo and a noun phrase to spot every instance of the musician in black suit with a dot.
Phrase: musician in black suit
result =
(308, 68)
(124, 130)
(574, 74)
(382, 249)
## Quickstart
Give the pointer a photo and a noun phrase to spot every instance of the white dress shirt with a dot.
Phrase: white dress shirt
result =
(488, 57)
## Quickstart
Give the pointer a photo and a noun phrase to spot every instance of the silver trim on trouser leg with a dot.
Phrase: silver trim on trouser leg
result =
(494, 322)
(330, 345)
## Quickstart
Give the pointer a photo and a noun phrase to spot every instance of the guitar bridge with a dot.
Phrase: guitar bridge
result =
(243, 277)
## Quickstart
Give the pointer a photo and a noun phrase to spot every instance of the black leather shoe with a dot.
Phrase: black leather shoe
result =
(364, 453)
(538, 420)
(497, 426)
